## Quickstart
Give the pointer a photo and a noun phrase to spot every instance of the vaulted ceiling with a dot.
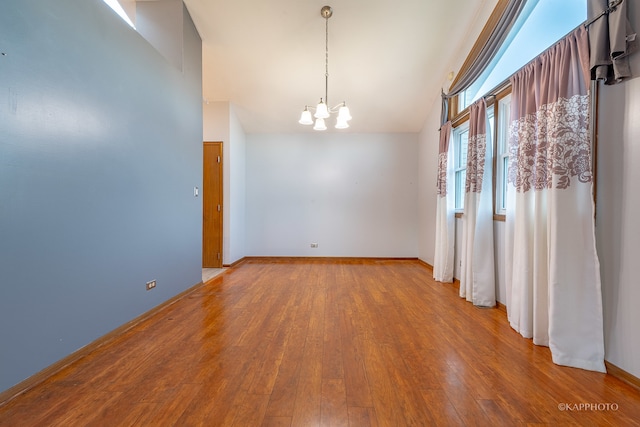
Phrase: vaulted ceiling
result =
(388, 59)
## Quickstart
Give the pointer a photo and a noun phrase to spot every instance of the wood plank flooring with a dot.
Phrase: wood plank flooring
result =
(320, 342)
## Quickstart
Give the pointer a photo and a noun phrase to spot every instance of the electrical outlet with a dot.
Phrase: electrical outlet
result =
(151, 285)
(314, 245)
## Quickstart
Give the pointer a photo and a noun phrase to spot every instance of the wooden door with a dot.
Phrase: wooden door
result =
(212, 205)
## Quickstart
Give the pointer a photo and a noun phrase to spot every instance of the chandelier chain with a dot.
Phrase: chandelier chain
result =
(326, 60)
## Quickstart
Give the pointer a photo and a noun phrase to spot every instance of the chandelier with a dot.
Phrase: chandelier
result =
(322, 110)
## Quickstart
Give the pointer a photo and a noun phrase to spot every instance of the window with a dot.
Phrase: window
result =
(159, 22)
(460, 145)
(117, 7)
(502, 154)
(492, 123)
(540, 24)
(460, 149)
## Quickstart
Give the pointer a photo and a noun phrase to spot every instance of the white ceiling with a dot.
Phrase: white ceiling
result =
(388, 59)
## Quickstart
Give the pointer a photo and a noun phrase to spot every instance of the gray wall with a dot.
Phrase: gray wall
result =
(100, 148)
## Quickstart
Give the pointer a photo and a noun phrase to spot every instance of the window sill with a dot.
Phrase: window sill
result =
(496, 217)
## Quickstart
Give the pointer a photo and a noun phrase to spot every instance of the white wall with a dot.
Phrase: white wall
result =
(221, 124)
(428, 161)
(618, 210)
(235, 203)
(216, 119)
(353, 194)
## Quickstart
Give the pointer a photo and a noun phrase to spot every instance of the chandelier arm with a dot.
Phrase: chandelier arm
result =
(337, 107)
(330, 109)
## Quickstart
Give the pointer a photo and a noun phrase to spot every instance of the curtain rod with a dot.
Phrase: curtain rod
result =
(612, 7)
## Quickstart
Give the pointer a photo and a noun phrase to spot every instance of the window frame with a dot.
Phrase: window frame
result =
(459, 166)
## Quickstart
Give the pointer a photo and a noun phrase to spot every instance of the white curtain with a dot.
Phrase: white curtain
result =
(552, 270)
(477, 278)
(443, 258)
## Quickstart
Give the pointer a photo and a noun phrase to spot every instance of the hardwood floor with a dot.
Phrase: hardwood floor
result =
(317, 342)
